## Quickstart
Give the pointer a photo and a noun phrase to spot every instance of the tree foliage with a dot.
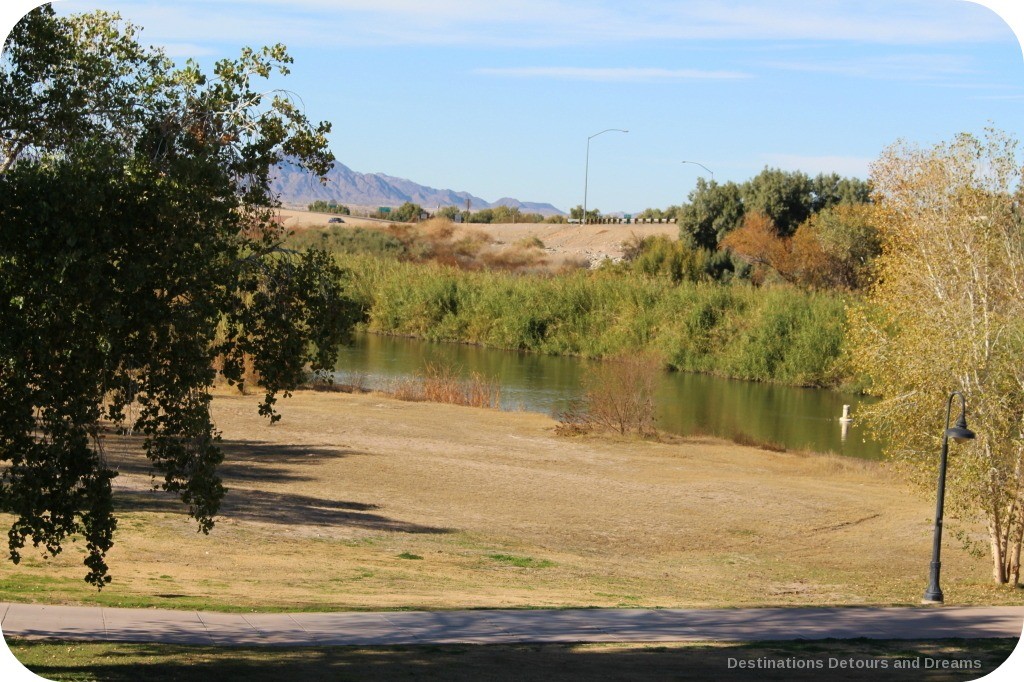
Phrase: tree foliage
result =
(712, 212)
(787, 198)
(946, 313)
(136, 246)
(576, 213)
(848, 239)
(832, 249)
(332, 206)
(407, 213)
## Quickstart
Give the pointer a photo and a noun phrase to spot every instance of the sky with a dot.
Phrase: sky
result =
(502, 98)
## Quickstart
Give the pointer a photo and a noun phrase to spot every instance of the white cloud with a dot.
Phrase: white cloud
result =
(611, 74)
(530, 23)
(889, 67)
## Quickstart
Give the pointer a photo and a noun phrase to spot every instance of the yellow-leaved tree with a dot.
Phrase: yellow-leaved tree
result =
(945, 313)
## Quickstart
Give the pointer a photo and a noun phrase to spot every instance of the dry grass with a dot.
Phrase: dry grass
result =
(515, 258)
(567, 246)
(323, 505)
(469, 248)
(741, 438)
(444, 384)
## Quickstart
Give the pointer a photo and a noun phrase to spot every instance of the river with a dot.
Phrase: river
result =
(796, 418)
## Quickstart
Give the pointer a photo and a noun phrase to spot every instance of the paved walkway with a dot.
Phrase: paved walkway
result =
(506, 626)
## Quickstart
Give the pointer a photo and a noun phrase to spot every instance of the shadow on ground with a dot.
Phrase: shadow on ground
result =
(244, 460)
(247, 465)
(864, 660)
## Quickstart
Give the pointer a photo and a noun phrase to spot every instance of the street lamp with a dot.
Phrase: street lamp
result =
(704, 167)
(586, 173)
(959, 433)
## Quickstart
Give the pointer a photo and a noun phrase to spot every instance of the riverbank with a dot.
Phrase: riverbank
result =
(769, 334)
(363, 502)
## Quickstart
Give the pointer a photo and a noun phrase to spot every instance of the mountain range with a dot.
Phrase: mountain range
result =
(299, 188)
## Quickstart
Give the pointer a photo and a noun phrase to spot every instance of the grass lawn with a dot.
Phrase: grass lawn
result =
(363, 502)
(828, 659)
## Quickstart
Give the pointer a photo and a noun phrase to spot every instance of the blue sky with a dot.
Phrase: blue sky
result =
(498, 98)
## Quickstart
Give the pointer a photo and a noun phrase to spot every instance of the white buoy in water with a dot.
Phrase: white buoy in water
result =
(844, 423)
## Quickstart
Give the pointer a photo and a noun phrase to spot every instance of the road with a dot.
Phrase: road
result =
(506, 626)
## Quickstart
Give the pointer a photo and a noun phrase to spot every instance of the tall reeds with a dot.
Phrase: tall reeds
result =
(440, 383)
(778, 334)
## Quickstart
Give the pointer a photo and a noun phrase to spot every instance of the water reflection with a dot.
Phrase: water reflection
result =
(797, 418)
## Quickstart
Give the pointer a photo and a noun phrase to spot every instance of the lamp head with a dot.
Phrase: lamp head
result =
(959, 431)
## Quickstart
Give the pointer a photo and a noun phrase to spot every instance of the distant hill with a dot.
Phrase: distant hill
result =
(296, 187)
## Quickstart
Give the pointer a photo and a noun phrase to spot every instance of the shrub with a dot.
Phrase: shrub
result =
(618, 397)
(342, 239)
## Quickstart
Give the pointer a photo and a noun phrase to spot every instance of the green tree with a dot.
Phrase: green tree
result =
(64, 80)
(485, 216)
(332, 206)
(785, 197)
(830, 189)
(713, 211)
(507, 214)
(576, 213)
(448, 212)
(407, 213)
(136, 246)
(659, 214)
(946, 313)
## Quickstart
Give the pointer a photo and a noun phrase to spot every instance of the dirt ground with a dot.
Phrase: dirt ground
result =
(361, 501)
(562, 241)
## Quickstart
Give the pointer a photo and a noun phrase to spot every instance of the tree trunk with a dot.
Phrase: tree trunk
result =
(998, 552)
(1013, 551)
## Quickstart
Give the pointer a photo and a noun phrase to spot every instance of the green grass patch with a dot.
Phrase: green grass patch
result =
(410, 555)
(521, 561)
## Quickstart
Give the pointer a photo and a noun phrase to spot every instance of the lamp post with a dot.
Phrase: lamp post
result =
(959, 433)
(704, 167)
(586, 172)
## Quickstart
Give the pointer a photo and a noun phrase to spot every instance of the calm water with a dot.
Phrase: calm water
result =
(798, 418)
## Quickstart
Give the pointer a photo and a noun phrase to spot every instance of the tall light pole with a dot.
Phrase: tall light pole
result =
(586, 173)
(704, 167)
(960, 433)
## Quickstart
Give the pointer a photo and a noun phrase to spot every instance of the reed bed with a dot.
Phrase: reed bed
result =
(441, 383)
(779, 334)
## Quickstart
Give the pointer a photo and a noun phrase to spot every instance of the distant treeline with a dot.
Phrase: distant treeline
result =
(321, 206)
(785, 226)
(498, 214)
(787, 198)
